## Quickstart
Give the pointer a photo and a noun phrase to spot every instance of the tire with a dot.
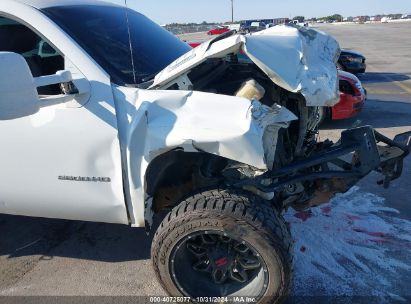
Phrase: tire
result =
(240, 219)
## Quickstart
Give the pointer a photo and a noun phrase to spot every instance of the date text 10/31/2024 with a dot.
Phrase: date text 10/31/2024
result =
(238, 299)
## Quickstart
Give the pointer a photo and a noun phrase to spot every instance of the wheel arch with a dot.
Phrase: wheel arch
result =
(175, 174)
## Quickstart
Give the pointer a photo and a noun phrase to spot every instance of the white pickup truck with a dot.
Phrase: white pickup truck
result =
(105, 116)
(297, 22)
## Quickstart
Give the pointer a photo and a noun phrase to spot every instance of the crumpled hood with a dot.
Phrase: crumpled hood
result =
(228, 126)
(297, 59)
(153, 122)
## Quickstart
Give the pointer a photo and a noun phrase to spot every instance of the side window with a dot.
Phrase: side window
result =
(42, 58)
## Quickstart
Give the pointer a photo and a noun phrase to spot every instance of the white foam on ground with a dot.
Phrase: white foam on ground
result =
(352, 246)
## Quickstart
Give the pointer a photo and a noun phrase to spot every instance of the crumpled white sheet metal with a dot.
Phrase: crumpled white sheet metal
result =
(156, 121)
(299, 60)
(295, 58)
(228, 126)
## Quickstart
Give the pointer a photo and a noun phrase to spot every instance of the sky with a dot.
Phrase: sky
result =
(184, 11)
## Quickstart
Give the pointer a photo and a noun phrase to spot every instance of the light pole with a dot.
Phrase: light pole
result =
(232, 11)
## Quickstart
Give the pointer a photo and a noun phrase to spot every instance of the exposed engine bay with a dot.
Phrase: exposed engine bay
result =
(305, 172)
(302, 171)
(297, 142)
(248, 81)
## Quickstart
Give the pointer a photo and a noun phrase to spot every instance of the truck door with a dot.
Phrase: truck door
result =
(63, 161)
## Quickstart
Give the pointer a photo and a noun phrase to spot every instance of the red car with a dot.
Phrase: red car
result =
(219, 30)
(194, 44)
(352, 97)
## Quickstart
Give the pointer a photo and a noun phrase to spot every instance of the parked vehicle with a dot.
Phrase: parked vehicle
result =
(253, 27)
(132, 130)
(234, 27)
(352, 62)
(352, 98)
(218, 31)
(296, 22)
(194, 44)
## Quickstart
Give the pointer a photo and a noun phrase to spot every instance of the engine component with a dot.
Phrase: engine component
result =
(251, 90)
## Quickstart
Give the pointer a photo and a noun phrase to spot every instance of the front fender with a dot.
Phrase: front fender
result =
(160, 121)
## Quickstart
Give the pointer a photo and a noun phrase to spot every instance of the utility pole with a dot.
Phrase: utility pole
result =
(232, 11)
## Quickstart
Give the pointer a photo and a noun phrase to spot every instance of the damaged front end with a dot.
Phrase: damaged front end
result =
(333, 168)
(294, 68)
(243, 111)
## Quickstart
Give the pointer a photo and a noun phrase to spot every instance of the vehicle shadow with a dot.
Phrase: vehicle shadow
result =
(27, 236)
(379, 77)
(377, 113)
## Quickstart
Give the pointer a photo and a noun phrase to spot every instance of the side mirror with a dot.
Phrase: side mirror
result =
(18, 92)
(59, 77)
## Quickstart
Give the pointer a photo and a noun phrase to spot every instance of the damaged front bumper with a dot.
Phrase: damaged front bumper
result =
(334, 168)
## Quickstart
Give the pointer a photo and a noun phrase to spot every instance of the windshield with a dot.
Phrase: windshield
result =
(101, 30)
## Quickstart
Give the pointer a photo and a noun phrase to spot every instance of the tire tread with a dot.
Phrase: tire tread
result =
(236, 204)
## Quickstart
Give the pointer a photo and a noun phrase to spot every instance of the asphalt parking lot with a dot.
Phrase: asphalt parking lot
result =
(52, 257)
